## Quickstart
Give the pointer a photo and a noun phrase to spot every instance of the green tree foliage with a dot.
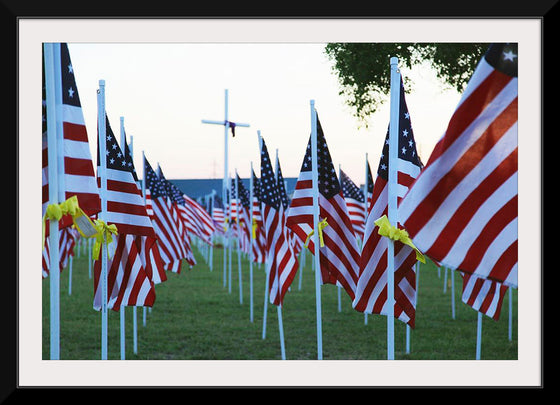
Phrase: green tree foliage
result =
(364, 74)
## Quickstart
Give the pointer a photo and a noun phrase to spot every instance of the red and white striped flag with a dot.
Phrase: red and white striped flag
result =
(218, 214)
(281, 261)
(66, 241)
(75, 168)
(483, 295)
(244, 216)
(167, 224)
(339, 258)
(371, 294)
(462, 209)
(129, 282)
(198, 221)
(355, 203)
(259, 238)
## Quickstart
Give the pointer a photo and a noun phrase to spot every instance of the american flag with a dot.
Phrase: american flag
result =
(218, 214)
(178, 204)
(371, 293)
(232, 207)
(66, 241)
(339, 258)
(462, 209)
(281, 261)
(130, 274)
(483, 295)
(147, 246)
(369, 188)
(259, 241)
(199, 222)
(125, 203)
(244, 216)
(295, 241)
(165, 221)
(354, 197)
(75, 167)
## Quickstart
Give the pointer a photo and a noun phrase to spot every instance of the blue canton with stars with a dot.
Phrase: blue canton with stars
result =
(328, 180)
(503, 57)
(153, 182)
(256, 187)
(116, 159)
(243, 193)
(269, 187)
(350, 189)
(407, 145)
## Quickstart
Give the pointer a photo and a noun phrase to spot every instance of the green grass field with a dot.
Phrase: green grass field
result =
(196, 317)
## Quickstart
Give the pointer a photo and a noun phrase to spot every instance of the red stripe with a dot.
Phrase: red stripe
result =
(123, 187)
(126, 208)
(75, 132)
(78, 167)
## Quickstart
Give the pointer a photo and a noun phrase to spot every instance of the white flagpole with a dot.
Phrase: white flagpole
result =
(315, 177)
(213, 238)
(265, 307)
(230, 239)
(51, 83)
(392, 203)
(238, 239)
(101, 125)
(301, 265)
(251, 240)
(366, 187)
(70, 259)
(452, 293)
(144, 196)
(134, 308)
(121, 312)
(279, 307)
(510, 319)
(337, 283)
(478, 334)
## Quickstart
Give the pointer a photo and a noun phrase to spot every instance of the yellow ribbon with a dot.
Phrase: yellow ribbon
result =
(79, 218)
(401, 235)
(104, 232)
(322, 225)
(255, 228)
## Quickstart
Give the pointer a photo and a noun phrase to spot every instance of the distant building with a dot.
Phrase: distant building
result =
(196, 188)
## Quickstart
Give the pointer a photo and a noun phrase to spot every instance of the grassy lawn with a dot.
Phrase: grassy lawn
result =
(196, 317)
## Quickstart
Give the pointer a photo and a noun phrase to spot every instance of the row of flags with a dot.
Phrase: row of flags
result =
(460, 209)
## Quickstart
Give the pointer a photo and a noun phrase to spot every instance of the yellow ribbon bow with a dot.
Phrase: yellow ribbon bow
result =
(104, 232)
(255, 228)
(394, 233)
(81, 221)
(322, 225)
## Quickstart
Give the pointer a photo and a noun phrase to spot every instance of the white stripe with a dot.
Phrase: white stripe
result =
(73, 114)
(77, 149)
(80, 184)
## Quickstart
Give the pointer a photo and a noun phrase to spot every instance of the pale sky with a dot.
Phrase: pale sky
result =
(164, 90)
